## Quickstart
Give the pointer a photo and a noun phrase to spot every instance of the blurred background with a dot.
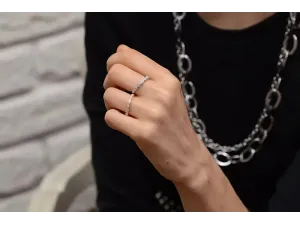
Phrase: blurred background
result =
(42, 120)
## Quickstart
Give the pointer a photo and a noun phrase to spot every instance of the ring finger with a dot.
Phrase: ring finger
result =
(117, 99)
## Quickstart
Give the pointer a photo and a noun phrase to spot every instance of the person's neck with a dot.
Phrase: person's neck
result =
(234, 20)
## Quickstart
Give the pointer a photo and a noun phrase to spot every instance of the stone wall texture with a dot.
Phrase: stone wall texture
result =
(42, 121)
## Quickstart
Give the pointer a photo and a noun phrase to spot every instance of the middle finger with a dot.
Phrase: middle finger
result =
(122, 77)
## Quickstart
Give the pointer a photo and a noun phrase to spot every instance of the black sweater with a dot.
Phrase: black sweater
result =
(232, 71)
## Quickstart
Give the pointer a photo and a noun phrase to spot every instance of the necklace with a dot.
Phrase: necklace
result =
(243, 151)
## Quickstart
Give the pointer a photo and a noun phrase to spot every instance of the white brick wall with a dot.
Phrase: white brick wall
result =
(42, 120)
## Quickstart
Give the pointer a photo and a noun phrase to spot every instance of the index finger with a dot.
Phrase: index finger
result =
(137, 62)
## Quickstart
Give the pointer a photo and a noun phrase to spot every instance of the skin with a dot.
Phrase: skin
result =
(234, 20)
(159, 124)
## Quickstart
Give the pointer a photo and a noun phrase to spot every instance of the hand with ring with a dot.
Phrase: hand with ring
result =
(144, 101)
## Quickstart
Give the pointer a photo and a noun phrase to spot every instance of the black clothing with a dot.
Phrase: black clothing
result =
(232, 72)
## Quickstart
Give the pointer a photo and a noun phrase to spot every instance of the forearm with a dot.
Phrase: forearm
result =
(209, 191)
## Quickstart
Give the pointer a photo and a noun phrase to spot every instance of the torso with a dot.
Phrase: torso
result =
(232, 71)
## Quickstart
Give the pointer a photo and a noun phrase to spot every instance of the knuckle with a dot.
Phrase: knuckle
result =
(166, 97)
(121, 57)
(122, 48)
(110, 59)
(174, 83)
(107, 94)
(126, 56)
(158, 113)
(115, 69)
(149, 132)
(108, 116)
(166, 71)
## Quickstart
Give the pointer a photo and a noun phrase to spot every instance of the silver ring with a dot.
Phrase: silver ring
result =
(129, 104)
(139, 84)
(132, 94)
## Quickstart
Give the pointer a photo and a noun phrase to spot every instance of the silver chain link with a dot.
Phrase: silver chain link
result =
(244, 151)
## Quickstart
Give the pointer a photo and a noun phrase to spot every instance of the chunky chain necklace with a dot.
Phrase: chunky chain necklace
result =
(244, 151)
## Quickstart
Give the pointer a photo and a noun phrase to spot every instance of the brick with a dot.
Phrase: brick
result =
(46, 109)
(16, 27)
(60, 145)
(21, 167)
(60, 57)
(17, 204)
(16, 70)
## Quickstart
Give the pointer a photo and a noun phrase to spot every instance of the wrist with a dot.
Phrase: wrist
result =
(207, 188)
(197, 173)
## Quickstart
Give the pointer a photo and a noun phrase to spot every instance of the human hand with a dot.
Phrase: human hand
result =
(158, 120)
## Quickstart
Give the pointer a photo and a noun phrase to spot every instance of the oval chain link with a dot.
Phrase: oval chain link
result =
(245, 150)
